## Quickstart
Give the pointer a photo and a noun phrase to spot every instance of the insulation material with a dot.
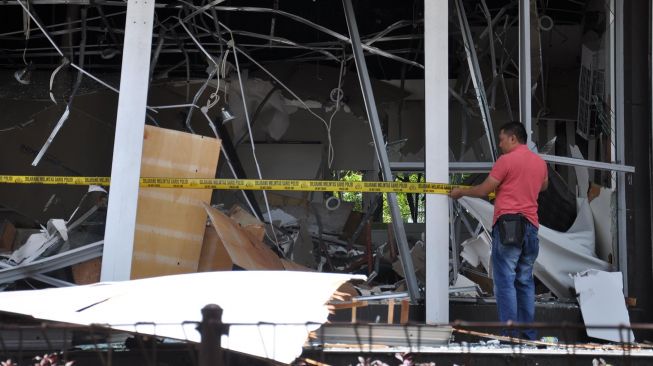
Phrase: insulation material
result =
(561, 253)
(601, 299)
(170, 223)
(148, 306)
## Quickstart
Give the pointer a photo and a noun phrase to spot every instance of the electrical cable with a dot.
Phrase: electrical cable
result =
(231, 43)
(78, 82)
(54, 45)
(242, 91)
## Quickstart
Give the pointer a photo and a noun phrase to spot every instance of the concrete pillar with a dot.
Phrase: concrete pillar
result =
(128, 144)
(436, 77)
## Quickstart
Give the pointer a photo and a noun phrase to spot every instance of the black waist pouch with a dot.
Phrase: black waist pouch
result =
(512, 228)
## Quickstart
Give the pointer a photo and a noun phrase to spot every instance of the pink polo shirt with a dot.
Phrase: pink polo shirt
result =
(521, 174)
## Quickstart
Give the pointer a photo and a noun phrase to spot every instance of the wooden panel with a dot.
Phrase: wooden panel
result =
(170, 223)
(88, 272)
(248, 222)
(214, 256)
(292, 266)
(7, 236)
(243, 248)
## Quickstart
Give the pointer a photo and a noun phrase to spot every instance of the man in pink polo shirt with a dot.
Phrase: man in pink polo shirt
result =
(518, 176)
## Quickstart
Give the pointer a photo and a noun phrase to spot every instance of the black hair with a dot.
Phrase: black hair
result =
(516, 129)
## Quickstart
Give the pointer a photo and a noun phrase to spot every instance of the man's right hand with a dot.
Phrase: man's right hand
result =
(456, 193)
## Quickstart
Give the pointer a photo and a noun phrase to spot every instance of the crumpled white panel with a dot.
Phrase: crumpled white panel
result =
(562, 254)
(248, 297)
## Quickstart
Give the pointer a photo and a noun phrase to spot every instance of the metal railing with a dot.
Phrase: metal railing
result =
(468, 343)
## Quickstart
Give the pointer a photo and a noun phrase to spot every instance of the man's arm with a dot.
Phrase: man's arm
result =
(545, 184)
(488, 186)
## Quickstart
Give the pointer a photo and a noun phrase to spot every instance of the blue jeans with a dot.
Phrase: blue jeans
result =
(514, 289)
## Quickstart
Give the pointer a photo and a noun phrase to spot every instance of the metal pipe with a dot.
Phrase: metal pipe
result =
(382, 154)
(618, 47)
(493, 86)
(477, 78)
(328, 31)
(525, 93)
(485, 166)
(394, 295)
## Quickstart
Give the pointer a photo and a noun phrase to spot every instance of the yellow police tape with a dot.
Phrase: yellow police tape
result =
(244, 184)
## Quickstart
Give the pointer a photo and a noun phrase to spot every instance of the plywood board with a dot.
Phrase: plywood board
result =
(243, 248)
(214, 256)
(248, 222)
(292, 266)
(88, 272)
(170, 223)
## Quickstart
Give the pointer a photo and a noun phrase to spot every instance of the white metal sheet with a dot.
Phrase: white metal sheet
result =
(602, 303)
(247, 297)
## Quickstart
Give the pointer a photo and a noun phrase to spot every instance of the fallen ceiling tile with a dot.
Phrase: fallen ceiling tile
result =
(601, 299)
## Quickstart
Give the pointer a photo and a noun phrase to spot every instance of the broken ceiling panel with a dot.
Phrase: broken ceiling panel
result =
(601, 299)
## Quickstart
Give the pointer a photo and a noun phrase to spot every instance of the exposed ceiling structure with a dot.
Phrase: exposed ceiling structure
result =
(60, 63)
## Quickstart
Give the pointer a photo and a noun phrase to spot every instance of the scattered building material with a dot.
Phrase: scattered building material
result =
(418, 253)
(366, 336)
(248, 222)
(476, 251)
(7, 236)
(303, 249)
(170, 223)
(561, 253)
(244, 250)
(12, 273)
(601, 299)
